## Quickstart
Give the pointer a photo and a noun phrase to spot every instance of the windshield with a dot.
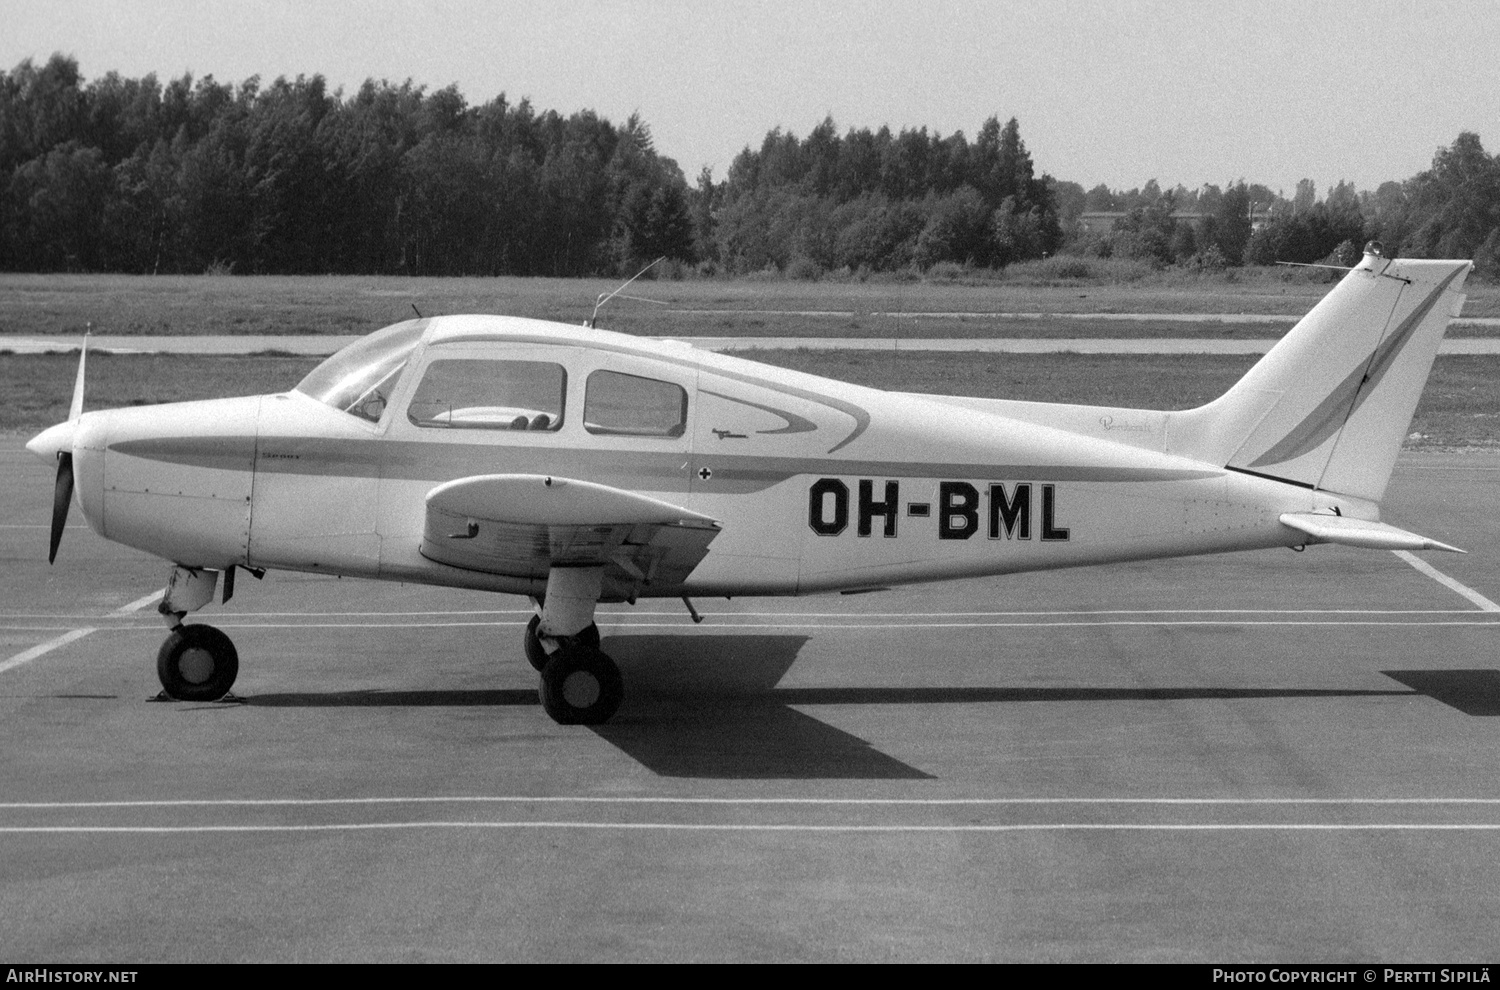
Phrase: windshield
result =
(360, 378)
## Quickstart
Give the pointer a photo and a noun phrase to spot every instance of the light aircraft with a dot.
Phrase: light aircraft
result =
(577, 466)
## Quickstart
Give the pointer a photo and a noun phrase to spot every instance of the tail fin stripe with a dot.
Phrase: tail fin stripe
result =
(1335, 410)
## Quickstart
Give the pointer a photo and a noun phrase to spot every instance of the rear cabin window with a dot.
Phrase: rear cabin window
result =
(466, 394)
(616, 404)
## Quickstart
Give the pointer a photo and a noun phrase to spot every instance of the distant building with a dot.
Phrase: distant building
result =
(1101, 222)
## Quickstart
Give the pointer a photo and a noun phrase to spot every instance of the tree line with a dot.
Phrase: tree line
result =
(133, 175)
(877, 201)
(1451, 210)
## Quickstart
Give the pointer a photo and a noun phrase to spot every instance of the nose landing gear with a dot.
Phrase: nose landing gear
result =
(198, 662)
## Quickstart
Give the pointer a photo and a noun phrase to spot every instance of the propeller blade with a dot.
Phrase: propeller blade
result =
(62, 495)
(76, 409)
(62, 491)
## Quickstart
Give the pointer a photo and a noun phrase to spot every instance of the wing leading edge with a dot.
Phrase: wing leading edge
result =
(523, 525)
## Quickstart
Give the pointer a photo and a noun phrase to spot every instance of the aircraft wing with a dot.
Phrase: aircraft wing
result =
(1327, 528)
(523, 525)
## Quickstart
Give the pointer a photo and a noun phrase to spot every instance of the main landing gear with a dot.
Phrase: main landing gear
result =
(580, 684)
(198, 662)
(536, 653)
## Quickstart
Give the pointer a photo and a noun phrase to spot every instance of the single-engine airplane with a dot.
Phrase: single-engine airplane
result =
(578, 466)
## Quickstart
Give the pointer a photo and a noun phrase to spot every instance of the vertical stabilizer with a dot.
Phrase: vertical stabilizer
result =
(1330, 404)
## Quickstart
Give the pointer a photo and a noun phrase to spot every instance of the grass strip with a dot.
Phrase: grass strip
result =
(189, 305)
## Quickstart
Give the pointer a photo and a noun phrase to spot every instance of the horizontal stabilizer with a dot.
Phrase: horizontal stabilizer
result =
(1326, 528)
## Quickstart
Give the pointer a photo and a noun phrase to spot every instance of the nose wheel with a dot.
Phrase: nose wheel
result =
(197, 663)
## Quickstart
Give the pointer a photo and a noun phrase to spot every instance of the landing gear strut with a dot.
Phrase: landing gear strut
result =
(580, 684)
(536, 653)
(195, 663)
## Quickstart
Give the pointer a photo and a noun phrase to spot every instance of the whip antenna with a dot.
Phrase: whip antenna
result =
(593, 321)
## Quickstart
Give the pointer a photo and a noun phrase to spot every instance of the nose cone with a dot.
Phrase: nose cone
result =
(53, 441)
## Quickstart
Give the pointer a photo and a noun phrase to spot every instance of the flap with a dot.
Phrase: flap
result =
(524, 525)
(1327, 528)
(546, 500)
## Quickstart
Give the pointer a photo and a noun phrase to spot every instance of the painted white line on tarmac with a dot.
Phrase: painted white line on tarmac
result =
(140, 603)
(676, 613)
(620, 627)
(748, 801)
(625, 618)
(27, 656)
(709, 624)
(619, 622)
(1444, 467)
(750, 827)
(1425, 568)
(73, 635)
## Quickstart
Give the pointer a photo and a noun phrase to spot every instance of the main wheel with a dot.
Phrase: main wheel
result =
(197, 663)
(537, 656)
(581, 686)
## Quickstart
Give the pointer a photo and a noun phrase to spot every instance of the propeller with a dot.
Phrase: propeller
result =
(62, 489)
(62, 494)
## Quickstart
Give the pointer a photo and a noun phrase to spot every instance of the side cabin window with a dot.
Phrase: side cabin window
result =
(473, 394)
(616, 404)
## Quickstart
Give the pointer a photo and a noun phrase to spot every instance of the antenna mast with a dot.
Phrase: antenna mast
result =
(593, 321)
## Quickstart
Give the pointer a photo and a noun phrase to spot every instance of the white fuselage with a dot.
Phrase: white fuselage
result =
(817, 485)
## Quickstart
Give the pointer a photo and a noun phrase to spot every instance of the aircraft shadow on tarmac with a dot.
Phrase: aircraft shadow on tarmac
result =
(1473, 692)
(708, 706)
(696, 706)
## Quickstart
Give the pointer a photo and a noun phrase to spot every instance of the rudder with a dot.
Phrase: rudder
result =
(1329, 405)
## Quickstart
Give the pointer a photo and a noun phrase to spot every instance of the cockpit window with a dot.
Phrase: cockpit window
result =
(360, 379)
(629, 405)
(477, 394)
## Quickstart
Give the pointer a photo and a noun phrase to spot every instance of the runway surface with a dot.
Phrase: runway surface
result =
(320, 346)
(1259, 757)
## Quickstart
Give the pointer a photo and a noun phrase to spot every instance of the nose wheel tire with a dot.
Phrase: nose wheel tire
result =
(581, 685)
(197, 663)
(538, 657)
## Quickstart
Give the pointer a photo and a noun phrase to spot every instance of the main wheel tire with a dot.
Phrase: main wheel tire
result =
(538, 657)
(197, 663)
(581, 686)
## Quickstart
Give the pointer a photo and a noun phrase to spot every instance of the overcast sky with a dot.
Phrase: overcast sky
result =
(1119, 93)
